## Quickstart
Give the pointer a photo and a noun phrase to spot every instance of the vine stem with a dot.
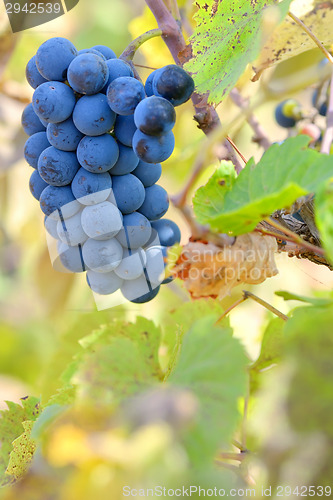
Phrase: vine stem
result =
(131, 49)
(328, 135)
(311, 35)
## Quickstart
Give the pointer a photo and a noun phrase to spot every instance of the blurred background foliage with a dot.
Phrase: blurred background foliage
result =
(43, 313)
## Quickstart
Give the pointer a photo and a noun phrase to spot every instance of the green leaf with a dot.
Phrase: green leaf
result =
(284, 173)
(118, 360)
(23, 451)
(227, 37)
(11, 427)
(324, 216)
(309, 348)
(212, 365)
(309, 300)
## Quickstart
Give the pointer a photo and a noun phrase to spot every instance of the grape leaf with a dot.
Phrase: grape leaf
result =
(324, 217)
(212, 365)
(289, 39)
(284, 173)
(11, 427)
(118, 360)
(23, 451)
(316, 301)
(227, 37)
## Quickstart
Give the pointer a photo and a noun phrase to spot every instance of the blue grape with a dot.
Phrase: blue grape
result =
(91, 51)
(173, 83)
(89, 188)
(168, 280)
(168, 232)
(102, 256)
(34, 146)
(149, 84)
(30, 122)
(70, 230)
(36, 184)
(128, 192)
(103, 283)
(148, 173)
(98, 154)
(139, 290)
(51, 227)
(155, 265)
(132, 264)
(285, 113)
(124, 94)
(136, 231)
(117, 68)
(318, 103)
(153, 149)
(53, 58)
(101, 221)
(33, 76)
(64, 135)
(92, 115)
(106, 51)
(156, 203)
(53, 101)
(58, 202)
(124, 129)
(71, 257)
(57, 167)
(154, 116)
(126, 162)
(87, 74)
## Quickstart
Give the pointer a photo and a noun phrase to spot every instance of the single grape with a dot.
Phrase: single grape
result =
(64, 135)
(312, 130)
(128, 192)
(53, 58)
(135, 232)
(102, 256)
(98, 154)
(153, 149)
(34, 146)
(92, 51)
(57, 167)
(156, 203)
(132, 264)
(58, 202)
(53, 102)
(51, 226)
(124, 94)
(168, 232)
(155, 265)
(124, 129)
(30, 122)
(139, 290)
(70, 230)
(173, 83)
(33, 76)
(92, 115)
(148, 173)
(71, 257)
(149, 84)
(319, 103)
(117, 68)
(106, 51)
(287, 113)
(36, 184)
(154, 116)
(89, 188)
(126, 162)
(103, 283)
(87, 74)
(101, 221)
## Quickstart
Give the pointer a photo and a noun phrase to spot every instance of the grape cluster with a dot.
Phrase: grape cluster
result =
(97, 140)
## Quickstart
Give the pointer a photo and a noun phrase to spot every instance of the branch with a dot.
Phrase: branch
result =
(130, 50)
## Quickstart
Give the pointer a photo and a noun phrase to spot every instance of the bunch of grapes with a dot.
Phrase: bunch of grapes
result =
(97, 140)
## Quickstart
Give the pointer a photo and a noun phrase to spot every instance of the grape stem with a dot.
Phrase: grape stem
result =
(311, 35)
(131, 49)
(328, 135)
